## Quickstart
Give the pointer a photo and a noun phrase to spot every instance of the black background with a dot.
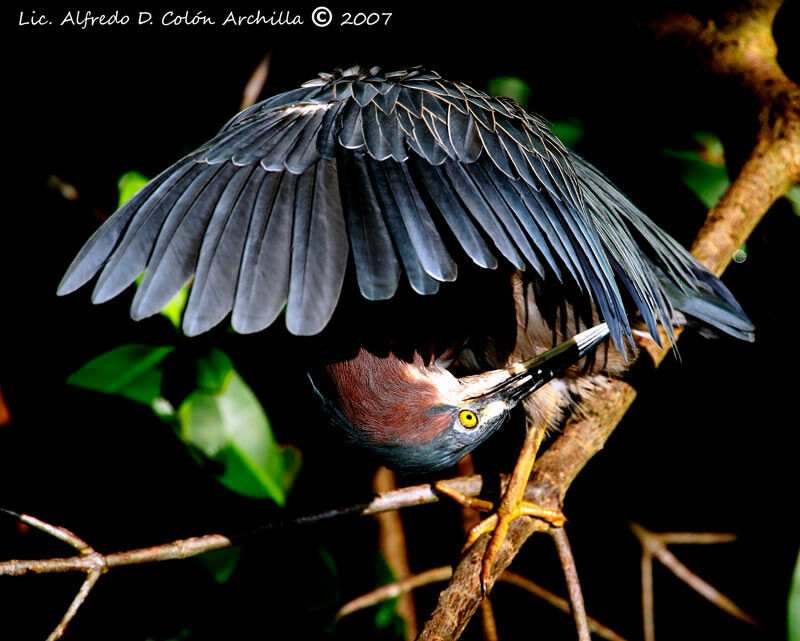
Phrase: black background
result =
(707, 447)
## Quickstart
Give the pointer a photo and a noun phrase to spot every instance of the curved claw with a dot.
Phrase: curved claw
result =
(500, 522)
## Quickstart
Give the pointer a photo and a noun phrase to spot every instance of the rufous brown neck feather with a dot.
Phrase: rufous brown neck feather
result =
(390, 398)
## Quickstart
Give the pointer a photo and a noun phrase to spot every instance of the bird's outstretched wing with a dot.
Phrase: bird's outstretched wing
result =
(407, 170)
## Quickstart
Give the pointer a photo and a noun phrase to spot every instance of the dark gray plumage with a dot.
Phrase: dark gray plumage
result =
(412, 172)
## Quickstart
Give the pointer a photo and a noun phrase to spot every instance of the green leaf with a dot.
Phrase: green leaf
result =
(221, 563)
(318, 578)
(214, 372)
(128, 184)
(132, 371)
(793, 196)
(793, 609)
(512, 87)
(174, 308)
(386, 617)
(568, 131)
(703, 169)
(225, 421)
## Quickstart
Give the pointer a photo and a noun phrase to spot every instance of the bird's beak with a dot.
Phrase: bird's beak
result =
(522, 379)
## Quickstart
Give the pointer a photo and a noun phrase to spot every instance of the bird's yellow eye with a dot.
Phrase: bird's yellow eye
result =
(467, 418)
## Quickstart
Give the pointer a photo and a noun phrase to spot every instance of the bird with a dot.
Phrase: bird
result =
(441, 257)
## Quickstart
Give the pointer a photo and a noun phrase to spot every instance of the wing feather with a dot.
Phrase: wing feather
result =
(396, 167)
(319, 251)
(377, 270)
(212, 293)
(172, 263)
(97, 250)
(263, 285)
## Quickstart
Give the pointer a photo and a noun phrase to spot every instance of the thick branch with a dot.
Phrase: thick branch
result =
(743, 48)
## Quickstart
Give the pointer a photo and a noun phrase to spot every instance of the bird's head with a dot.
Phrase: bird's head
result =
(418, 417)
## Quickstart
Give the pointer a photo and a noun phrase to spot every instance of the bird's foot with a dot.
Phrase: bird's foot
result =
(500, 521)
(479, 505)
(510, 508)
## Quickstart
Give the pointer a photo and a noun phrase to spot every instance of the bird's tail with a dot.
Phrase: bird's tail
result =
(711, 306)
(686, 286)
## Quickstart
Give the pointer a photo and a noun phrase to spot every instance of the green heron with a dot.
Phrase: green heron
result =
(529, 274)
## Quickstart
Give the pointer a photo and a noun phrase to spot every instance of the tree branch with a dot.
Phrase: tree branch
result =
(77, 602)
(435, 575)
(742, 47)
(392, 546)
(573, 584)
(557, 602)
(396, 589)
(194, 546)
(654, 545)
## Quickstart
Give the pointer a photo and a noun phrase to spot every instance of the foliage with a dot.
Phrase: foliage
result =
(220, 419)
(510, 87)
(793, 609)
(223, 419)
(702, 169)
(569, 130)
(386, 617)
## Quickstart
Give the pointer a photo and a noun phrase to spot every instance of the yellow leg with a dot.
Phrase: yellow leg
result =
(511, 505)
(509, 508)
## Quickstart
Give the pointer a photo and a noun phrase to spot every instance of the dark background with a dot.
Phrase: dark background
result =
(708, 446)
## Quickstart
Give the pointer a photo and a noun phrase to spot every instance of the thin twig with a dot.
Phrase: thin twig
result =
(60, 533)
(434, 575)
(194, 546)
(392, 546)
(94, 564)
(255, 85)
(558, 602)
(697, 538)
(488, 621)
(654, 545)
(77, 602)
(396, 589)
(648, 599)
(559, 536)
(702, 587)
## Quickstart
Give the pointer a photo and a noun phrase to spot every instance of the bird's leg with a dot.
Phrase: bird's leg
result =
(512, 505)
(522, 379)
